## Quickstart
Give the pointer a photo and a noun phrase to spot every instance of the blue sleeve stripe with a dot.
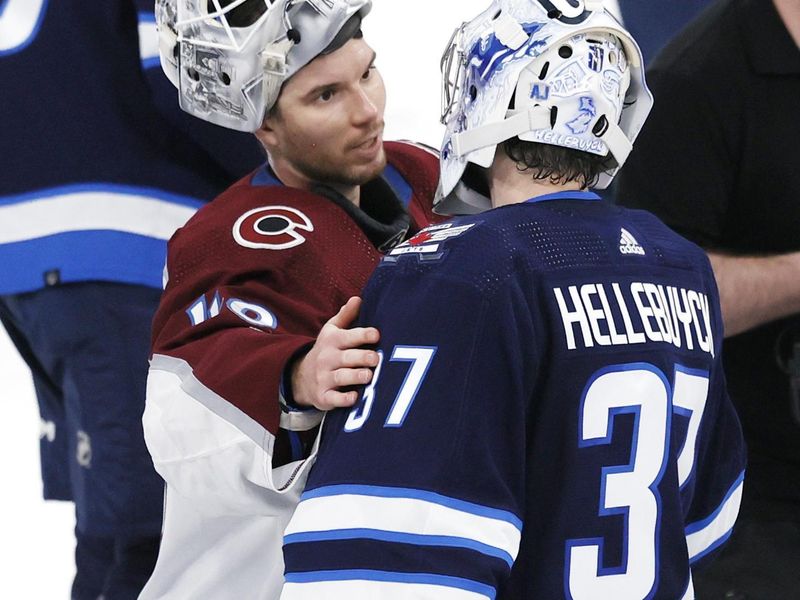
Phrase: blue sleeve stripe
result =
(400, 538)
(403, 514)
(151, 63)
(708, 534)
(414, 494)
(82, 256)
(393, 577)
(147, 16)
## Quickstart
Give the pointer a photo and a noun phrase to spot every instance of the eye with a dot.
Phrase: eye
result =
(367, 74)
(326, 96)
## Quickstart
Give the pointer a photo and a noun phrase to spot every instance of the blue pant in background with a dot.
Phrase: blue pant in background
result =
(87, 345)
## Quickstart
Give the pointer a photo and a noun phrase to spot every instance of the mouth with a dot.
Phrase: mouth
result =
(371, 143)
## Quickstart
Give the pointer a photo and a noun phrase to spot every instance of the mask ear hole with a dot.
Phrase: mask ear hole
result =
(565, 52)
(600, 127)
(543, 72)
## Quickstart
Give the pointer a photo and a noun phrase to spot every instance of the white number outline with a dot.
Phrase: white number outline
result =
(20, 21)
(687, 397)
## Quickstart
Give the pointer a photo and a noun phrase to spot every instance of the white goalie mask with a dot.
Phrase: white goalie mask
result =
(229, 58)
(575, 76)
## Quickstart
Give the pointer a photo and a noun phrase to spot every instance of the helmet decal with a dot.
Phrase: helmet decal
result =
(571, 12)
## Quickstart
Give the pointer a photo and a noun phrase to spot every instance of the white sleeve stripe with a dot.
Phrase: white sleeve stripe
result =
(704, 536)
(403, 583)
(148, 36)
(101, 210)
(415, 494)
(404, 516)
(400, 538)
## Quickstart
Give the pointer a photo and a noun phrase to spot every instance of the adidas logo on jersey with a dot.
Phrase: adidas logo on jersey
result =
(628, 243)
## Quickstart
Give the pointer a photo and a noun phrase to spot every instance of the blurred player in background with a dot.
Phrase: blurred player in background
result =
(729, 127)
(244, 353)
(656, 22)
(98, 172)
(549, 416)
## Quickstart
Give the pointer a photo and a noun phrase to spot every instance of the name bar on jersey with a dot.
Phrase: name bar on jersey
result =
(596, 314)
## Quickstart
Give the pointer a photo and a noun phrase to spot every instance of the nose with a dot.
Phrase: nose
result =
(365, 108)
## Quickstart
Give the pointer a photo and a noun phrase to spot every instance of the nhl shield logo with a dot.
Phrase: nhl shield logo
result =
(272, 228)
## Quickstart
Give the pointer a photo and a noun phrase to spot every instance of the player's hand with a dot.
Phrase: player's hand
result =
(336, 361)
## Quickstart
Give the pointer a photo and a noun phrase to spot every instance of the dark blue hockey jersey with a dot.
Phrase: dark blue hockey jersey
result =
(549, 418)
(99, 166)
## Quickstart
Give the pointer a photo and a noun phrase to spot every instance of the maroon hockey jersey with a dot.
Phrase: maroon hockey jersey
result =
(254, 275)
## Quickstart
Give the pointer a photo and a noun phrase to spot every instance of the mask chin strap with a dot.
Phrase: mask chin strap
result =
(534, 119)
(618, 143)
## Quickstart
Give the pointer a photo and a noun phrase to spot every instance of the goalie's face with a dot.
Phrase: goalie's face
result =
(327, 125)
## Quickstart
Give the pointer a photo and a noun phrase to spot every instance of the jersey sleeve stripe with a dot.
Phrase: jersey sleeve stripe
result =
(114, 209)
(400, 538)
(331, 515)
(415, 494)
(383, 584)
(704, 536)
(148, 39)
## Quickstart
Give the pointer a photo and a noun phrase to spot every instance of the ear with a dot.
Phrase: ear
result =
(268, 134)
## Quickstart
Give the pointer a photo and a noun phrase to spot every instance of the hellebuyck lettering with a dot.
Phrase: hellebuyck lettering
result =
(603, 315)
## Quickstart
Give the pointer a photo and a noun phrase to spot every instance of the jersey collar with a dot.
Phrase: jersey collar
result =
(569, 195)
(383, 215)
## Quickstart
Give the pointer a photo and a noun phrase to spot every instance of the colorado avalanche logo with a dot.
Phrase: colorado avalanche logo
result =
(272, 228)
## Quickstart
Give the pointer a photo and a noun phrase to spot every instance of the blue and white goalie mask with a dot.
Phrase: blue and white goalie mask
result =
(229, 58)
(575, 76)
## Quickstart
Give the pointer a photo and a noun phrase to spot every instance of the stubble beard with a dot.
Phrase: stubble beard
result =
(334, 173)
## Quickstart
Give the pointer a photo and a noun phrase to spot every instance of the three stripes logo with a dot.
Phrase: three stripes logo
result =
(628, 243)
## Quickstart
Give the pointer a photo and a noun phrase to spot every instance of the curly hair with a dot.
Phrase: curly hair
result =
(556, 164)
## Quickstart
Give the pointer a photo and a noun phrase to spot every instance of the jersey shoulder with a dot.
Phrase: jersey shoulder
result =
(259, 225)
